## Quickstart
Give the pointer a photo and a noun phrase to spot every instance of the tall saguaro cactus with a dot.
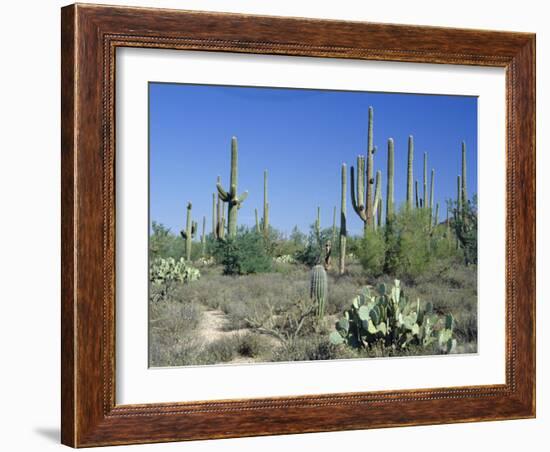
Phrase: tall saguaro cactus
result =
(389, 187)
(410, 159)
(370, 168)
(266, 207)
(220, 215)
(318, 225)
(458, 195)
(230, 197)
(189, 233)
(343, 219)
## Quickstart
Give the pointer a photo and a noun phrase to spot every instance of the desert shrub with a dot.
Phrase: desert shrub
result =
(163, 243)
(464, 225)
(251, 345)
(372, 252)
(243, 254)
(221, 350)
(172, 333)
(311, 348)
(312, 254)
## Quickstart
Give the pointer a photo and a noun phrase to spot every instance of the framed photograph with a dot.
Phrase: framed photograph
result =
(282, 225)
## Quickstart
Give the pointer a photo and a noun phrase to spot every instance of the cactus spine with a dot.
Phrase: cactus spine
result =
(410, 174)
(343, 232)
(189, 233)
(230, 197)
(318, 289)
(266, 207)
(389, 187)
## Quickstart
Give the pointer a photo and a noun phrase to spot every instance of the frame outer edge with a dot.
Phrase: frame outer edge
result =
(68, 230)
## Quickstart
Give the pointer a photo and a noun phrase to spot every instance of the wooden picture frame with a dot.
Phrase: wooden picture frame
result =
(90, 35)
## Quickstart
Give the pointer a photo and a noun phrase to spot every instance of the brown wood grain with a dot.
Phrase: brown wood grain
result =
(90, 35)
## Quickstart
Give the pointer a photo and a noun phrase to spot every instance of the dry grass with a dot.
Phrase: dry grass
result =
(204, 322)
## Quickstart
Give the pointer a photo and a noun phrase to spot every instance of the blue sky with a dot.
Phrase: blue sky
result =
(301, 137)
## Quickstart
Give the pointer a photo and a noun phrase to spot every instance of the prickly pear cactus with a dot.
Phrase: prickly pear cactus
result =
(319, 289)
(386, 315)
(162, 271)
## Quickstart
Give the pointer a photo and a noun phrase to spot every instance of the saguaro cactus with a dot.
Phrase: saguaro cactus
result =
(389, 187)
(458, 195)
(377, 198)
(189, 233)
(318, 225)
(370, 168)
(318, 289)
(410, 159)
(230, 197)
(214, 221)
(464, 186)
(220, 215)
(266, 207)
(417, 200)
(358, 191)
(436, 217)
(343, 214)
(203, 237)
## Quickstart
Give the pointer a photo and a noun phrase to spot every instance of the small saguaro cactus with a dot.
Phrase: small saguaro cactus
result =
(265, 225)
(318, 289)
(318, 225)
(189, 233)
(343, 214)
(464, 187)
(230, 197)
(203, 237)
(410, 159)
(389, 187)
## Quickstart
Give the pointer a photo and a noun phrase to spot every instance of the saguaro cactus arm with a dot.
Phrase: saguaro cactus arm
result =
(343, 214)
(357, 190)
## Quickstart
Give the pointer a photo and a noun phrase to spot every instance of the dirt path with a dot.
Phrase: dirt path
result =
(212, 329)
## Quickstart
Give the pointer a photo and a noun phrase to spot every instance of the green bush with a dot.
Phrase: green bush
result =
(163, 243)
(312, 254)
(372, 252)
(243, 254)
